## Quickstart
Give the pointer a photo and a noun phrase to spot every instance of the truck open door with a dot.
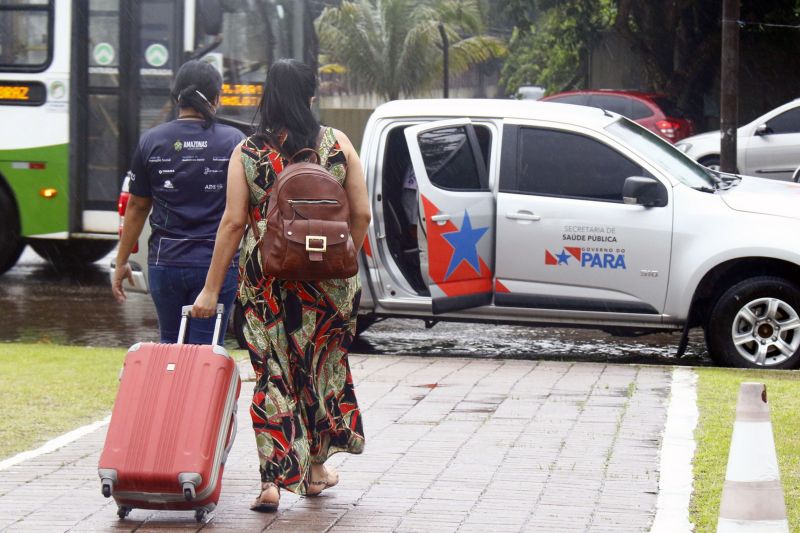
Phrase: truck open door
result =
(457, 214)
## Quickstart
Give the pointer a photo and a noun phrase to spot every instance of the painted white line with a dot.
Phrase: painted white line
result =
(53, 445)
(677, 453)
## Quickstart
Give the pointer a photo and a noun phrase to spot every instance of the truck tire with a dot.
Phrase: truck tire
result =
(756, 324)
(11, 241)
(72, 253)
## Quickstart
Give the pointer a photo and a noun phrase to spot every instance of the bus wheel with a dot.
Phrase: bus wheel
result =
(72, 252)
(11, 242)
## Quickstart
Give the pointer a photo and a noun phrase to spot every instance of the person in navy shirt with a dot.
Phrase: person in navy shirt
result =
(179, 169)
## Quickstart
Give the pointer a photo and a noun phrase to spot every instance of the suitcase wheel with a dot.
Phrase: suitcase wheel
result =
(107, 490)
(200, 514)
(123, 511)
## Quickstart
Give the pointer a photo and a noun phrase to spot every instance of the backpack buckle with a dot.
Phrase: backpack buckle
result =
(321, 239)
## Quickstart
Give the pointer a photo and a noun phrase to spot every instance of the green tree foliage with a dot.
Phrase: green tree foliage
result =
(675, 43)
(394, 46)
(549, 45)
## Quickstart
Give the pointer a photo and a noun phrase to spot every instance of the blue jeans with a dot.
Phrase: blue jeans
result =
(174, 287)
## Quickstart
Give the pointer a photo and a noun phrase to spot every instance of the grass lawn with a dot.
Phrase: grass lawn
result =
(47, 390)
(717, 393)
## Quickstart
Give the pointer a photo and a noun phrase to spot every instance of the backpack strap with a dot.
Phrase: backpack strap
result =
(311, 151)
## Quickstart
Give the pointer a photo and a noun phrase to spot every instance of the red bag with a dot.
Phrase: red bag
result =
(172, 427)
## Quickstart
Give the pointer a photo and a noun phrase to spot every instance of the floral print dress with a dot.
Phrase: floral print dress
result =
(298, 333)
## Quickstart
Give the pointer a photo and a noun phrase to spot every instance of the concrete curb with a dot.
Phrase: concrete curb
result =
(54, 444)
(677, 452)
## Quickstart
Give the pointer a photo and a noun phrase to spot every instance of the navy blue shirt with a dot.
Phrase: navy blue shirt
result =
(184, 169)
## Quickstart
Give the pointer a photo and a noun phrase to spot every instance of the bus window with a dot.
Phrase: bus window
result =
(252, 39)
(25, 35)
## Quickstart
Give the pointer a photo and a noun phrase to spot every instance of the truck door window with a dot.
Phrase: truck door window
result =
(450, 160)
(557, 163)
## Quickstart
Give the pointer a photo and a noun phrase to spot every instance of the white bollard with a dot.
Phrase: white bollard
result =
(752, 497)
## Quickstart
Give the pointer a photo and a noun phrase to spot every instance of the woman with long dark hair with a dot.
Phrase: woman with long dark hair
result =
(298, 333)
(179, 170)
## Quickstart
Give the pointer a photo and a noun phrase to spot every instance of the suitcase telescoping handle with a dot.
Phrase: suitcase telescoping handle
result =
(216, 339)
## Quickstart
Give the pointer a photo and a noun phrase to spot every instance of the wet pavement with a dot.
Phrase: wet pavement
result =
(75, 307)
(453, 444)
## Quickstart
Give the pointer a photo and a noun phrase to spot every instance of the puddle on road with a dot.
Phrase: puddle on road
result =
(402, 336)
(39, 304)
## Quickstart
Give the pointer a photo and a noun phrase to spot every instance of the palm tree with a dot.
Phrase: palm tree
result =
(394, 46)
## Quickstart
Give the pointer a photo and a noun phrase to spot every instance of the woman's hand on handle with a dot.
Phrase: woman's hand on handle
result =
(229, 235)
(205, 305)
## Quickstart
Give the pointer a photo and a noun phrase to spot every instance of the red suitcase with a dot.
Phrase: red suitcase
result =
(172, 427)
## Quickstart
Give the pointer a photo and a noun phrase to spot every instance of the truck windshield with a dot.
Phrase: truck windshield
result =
(665, 155)
(25, 43)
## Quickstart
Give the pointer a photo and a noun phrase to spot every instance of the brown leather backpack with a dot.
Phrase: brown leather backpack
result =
(308, 225)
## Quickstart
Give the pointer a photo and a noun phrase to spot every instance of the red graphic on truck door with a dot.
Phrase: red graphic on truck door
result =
(454, 261)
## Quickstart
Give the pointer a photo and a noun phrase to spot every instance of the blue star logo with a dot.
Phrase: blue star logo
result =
(464, 243)
(563, 258)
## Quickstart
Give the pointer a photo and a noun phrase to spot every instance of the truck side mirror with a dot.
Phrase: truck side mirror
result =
(210, 15)
(640, 190)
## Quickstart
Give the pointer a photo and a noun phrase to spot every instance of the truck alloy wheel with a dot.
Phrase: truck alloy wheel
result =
(756, 324)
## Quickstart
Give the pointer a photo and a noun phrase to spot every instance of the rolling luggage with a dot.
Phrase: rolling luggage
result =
(172, 427)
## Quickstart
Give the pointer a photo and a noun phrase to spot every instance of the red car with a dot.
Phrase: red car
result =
(653, 111)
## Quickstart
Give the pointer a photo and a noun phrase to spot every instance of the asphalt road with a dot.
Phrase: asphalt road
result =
(41, 304)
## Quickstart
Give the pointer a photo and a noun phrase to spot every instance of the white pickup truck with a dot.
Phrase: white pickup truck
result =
(551, 214)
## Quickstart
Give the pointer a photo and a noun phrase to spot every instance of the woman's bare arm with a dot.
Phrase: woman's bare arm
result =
(229, 236)
(355, 186)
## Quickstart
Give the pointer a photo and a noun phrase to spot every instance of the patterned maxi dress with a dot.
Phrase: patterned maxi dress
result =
(298, 333)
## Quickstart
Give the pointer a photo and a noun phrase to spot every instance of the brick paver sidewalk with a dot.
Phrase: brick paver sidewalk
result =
(452, 444)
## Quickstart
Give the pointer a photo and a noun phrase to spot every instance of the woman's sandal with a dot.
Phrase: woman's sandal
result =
(267, 505)
(331, 479)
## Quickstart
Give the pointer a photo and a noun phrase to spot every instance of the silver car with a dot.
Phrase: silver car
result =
(768, 147)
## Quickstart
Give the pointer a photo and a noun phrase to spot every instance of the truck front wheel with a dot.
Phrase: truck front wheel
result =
(11, 241)
(756, 324)
(72, 253)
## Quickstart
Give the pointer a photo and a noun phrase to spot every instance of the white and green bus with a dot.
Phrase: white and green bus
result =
(80, 80)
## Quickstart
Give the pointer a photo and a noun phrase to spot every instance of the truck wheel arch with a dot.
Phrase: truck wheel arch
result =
(726, 274)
